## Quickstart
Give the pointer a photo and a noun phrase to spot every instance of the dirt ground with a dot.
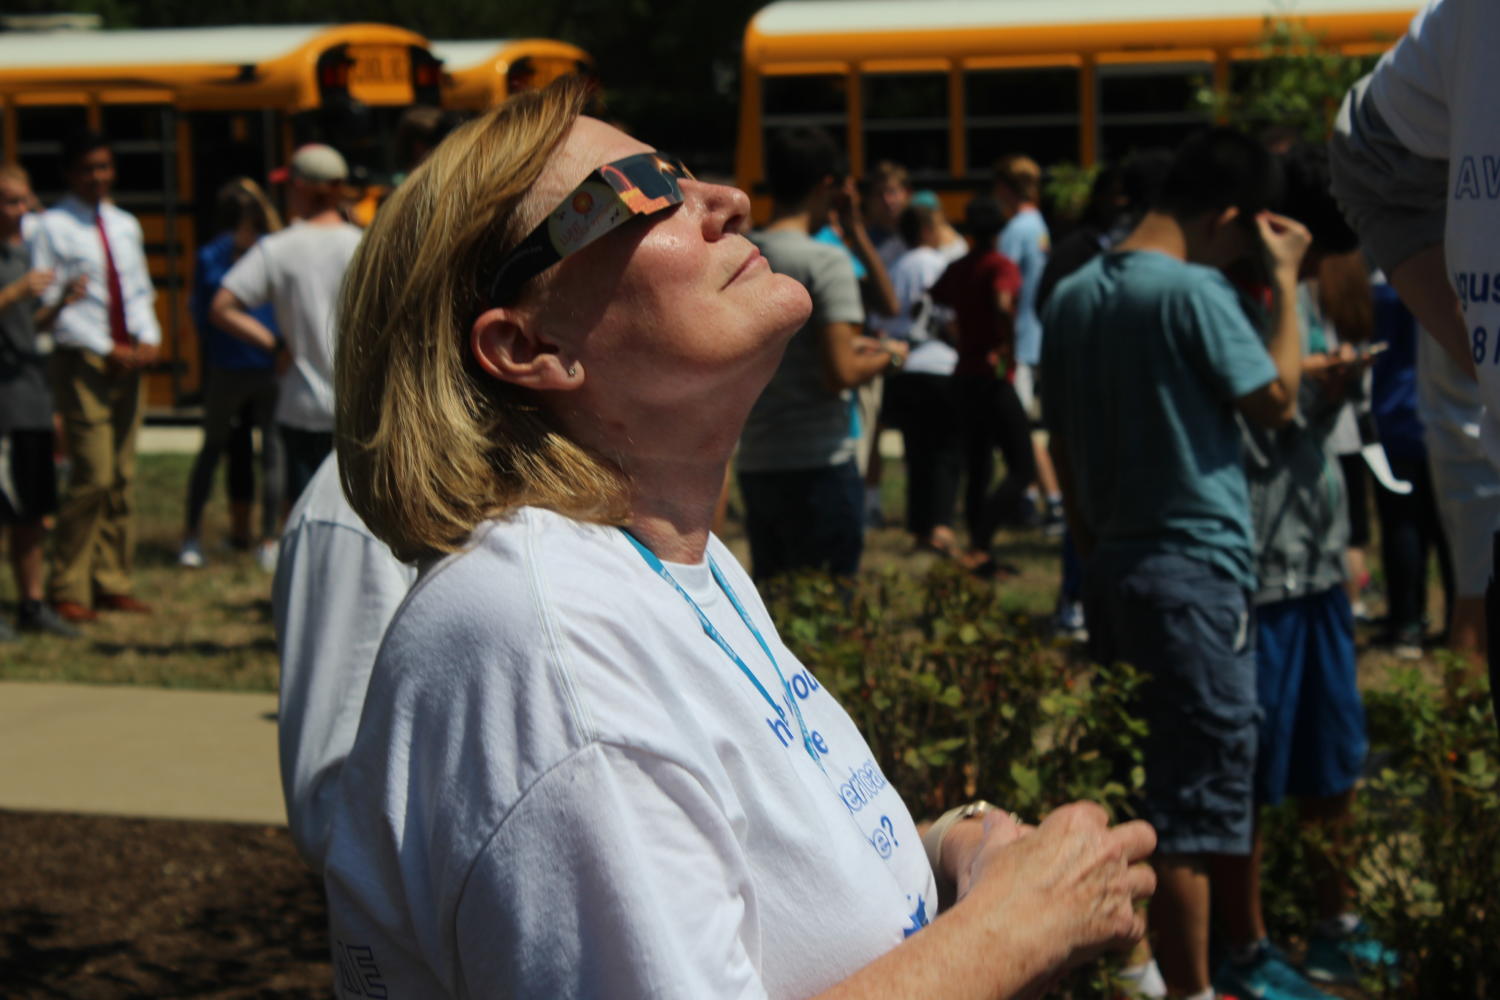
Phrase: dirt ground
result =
(101, 908)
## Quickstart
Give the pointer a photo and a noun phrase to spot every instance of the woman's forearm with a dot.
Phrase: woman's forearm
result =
(966, 954)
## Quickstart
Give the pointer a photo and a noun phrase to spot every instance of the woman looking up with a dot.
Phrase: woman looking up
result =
(587, 765)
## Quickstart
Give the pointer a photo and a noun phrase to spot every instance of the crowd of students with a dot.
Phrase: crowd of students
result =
(1199, 458)
(1172, 391)
(78, 330)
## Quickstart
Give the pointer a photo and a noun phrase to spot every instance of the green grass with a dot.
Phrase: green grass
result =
(212, 627)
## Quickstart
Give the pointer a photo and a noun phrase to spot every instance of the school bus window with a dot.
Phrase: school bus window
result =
(906, 120)
(1148, 106)
(1030, 92)
(39, 136)
(1124, 91)
(1031, 111)
(138, 136)
(1047, 144)
(804, 100)
(820, 101)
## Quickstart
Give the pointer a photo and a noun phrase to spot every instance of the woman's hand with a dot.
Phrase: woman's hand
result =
(963, 844)
(1075, 878)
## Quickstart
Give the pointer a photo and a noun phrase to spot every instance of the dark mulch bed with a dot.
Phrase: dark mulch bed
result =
(102, 907)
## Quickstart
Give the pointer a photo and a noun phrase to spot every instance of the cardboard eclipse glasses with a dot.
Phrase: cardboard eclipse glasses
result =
(611, 196)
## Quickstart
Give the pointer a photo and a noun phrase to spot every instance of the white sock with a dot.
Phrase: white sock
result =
(1144, 981)
(1340, 926)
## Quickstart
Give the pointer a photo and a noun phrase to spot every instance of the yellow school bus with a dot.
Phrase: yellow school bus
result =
(187, 109)
(946, 87)
(480, 74)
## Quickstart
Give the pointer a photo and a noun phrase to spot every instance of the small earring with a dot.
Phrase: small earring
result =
(572, 371)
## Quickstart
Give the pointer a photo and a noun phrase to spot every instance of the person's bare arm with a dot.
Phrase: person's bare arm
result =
(46, 315)
(1036, 905)
(228, 314)
(851, 359)
(882, 298)
(1275, 403)
(1422, 282)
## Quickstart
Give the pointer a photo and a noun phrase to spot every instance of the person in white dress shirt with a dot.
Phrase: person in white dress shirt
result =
(105, 341)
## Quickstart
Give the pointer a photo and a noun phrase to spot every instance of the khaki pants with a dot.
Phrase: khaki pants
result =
(95, 538)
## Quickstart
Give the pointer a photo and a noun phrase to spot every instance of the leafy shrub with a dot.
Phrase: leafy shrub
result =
(957, 697)
(960, 699)
(1428, 834)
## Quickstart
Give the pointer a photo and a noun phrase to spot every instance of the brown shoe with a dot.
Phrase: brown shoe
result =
(122, 602)
(72, 611)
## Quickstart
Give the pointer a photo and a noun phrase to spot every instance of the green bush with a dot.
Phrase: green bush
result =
(1428, 834)
(957, 697)
(960, 699)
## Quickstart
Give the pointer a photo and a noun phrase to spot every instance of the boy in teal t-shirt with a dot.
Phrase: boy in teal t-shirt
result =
(1147, 358)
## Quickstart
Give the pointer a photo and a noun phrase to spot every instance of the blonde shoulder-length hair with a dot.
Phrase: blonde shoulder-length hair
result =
(429, 445)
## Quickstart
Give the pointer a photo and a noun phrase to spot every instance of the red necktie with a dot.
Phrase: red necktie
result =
(117, 331)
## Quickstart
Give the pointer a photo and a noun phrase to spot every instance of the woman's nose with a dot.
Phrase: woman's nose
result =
(726, 209)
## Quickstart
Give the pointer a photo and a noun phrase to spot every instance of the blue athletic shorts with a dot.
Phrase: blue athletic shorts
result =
(1186, 624)
(1312, 740)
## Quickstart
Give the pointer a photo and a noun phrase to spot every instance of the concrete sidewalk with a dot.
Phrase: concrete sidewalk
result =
(136, 751)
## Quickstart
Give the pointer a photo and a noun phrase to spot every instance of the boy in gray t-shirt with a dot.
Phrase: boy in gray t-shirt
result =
(804, 498)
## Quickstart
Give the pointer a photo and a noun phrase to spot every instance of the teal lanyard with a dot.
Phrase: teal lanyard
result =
(719, 640)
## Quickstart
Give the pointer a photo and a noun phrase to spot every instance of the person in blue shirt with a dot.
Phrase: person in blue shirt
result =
(1410, 531)
(1148, 360)
(1027, 241)
(239, 386)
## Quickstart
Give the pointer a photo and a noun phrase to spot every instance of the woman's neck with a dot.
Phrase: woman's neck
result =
(672, 507)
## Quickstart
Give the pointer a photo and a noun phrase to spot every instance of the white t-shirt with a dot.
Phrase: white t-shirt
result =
(1436, 91)
(562, 787)
(914, 272)
(299, 271)
(336, 588)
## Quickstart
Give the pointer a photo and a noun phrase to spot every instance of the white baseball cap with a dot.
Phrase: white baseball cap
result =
(314, 162)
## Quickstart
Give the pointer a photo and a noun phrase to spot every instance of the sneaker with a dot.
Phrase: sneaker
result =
(1340, 960)
(1269, 977)
(190, 555)
(265, 556)
(1055, 521)
(874, 513)
(1406, 642)
(40, 619)
(1069, 622)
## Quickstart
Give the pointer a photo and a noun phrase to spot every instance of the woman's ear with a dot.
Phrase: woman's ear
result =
(504, 344)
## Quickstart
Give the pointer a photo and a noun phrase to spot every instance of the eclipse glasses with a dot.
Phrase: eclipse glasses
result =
(611, 196)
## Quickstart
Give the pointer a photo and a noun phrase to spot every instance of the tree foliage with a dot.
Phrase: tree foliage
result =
(1295, 83)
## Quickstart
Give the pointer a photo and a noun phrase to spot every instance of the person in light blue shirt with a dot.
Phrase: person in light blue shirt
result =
(1025, 240)
(1148, 360)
